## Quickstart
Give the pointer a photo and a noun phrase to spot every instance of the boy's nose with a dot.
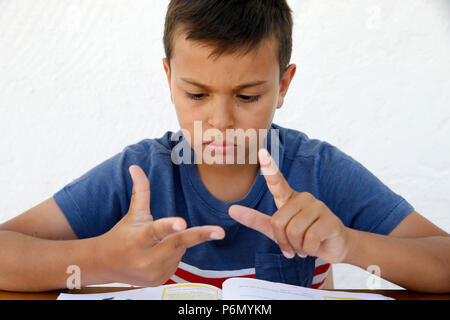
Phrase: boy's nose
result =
(221, 116)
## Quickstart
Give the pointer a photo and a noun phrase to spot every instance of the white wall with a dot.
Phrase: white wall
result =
(79, 80)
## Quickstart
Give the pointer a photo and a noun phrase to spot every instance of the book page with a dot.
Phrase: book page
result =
(181, 291)
(254, 289)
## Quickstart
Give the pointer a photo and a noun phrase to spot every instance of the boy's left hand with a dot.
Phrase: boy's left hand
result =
(302, 224)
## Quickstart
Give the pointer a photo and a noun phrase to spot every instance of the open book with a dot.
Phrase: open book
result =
(232, 289)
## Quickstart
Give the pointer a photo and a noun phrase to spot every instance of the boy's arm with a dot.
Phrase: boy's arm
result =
(31, 261)
(415, 255)
(45, 221)
(33, 264)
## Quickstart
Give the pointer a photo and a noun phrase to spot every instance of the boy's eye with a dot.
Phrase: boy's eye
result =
(195, 96)
(249, 98)
(199, 96)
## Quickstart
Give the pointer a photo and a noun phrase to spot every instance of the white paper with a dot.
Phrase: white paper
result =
(254, 289)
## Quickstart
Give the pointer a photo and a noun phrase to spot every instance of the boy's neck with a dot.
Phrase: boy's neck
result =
(228, 184)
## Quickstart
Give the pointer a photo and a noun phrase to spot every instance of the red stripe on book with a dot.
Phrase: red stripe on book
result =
(321, 269)
(317, 285)
(190, 277)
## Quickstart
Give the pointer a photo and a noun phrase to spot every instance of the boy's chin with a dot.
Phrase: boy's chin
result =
(227, 164)
(221, 165)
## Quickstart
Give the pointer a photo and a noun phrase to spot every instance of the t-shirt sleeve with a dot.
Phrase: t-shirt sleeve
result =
(96, 201)
(357, 196)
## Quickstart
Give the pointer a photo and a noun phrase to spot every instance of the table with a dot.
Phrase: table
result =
(52, 295)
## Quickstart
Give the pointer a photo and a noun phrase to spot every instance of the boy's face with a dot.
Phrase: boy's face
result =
(208, 92)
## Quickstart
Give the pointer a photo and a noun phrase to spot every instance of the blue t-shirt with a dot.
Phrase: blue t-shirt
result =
(98, 199)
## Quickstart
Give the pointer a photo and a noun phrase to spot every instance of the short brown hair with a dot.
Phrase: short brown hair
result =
(231, 25)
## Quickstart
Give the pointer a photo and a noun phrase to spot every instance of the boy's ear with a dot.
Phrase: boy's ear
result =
(167, 70)
(285, 82)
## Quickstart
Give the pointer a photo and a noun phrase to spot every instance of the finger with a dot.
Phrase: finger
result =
(253, 219)
(297, 226)
(140, 197)
(276, 182)
(314, 235)
(163, 227)
(281, 219)
(194, 236)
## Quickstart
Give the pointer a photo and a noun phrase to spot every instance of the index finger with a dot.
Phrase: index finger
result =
(276, 182)
(194, 236)
(252, 218)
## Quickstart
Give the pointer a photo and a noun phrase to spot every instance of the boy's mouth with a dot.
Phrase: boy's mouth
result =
(220, 147)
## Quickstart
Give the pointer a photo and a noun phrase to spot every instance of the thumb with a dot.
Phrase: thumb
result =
(253, 219)
(140, 197)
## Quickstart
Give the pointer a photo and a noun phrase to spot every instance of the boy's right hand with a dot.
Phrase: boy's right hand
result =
(141, 251)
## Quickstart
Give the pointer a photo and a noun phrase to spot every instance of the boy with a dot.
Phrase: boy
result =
(146, 218)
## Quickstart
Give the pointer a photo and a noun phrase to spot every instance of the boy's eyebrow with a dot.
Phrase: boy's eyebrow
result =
(241, 86)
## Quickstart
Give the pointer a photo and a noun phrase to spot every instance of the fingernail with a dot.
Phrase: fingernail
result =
(215, 236)
(288, 255)
(301, 255)
(177, 226)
